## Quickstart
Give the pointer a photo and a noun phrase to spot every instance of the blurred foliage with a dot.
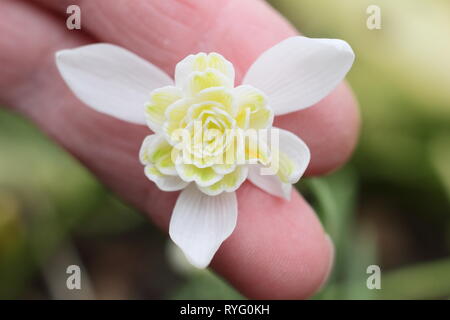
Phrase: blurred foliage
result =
(401, 78)
(44, 196)
(389, 207)
(205, 285)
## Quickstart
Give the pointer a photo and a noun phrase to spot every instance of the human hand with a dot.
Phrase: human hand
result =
(278, 249)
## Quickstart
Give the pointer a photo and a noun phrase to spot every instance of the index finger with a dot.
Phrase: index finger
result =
(278, 241)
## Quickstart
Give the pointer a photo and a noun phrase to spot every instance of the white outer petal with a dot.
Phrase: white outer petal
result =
(111, 79)
(269, 183)
(200, 223)
(298, 72)
(298, 152)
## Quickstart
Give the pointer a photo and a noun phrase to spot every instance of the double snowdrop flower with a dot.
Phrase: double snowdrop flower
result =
(201, 123)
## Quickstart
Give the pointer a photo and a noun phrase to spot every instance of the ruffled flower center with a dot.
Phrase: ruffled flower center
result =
(206, 121)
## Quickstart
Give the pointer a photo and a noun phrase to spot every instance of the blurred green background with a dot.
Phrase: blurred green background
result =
(389, 207)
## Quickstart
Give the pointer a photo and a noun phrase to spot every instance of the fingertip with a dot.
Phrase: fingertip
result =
(278, 249)
(330, 263)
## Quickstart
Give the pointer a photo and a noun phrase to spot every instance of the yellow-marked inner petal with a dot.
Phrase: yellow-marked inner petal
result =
(158, 153)
(202, 176)
(229, 182)
(200, 62)
(201, 121)
(287, 167)
(218, 62)
(153, 171)
(250, 149)
(209, 78)
(160, 99)
(221, 96)
(253, 111)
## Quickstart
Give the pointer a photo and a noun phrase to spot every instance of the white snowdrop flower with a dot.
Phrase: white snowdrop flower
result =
(201, 121)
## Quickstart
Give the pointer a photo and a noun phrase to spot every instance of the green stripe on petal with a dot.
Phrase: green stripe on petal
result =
(166, 165)
(200, 63)
(287, 168)
(294, 157)
(160, 151)
(199, 81)
(160, 99)
(156, 151)
(202, 176)
(219, 95)
(218, 62)
(229, 183)
(253, 111)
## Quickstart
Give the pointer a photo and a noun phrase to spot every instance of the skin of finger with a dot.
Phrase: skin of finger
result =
(293, 270)
(164, 33)
(109, 147)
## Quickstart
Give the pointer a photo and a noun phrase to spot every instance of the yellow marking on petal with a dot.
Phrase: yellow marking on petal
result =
(169, 128)
(175, 115)
(202, 176)
(153, 171)
(143, 156)
(286, 167)
(147, 149)
(155, 151)
(207, 79)
(243, 118)
(260, 119)
(218, 95)
(165, 162)
(156, 113)
(160, 151)
(166, 165)
(230, 182)
(207, 174)
(211, 114)
(200, 62)
(200, 110)
(216, 61)
(178, 110)
(254, 150)
(160, 99)
(252, 108)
